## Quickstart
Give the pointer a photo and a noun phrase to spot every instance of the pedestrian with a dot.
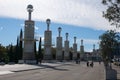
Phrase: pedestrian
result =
(78, 61)
(91, 64)
(99, 62)
(87, 63)
(40, 60)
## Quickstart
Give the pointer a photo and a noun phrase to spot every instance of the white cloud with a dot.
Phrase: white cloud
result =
(89, 50)
(36, 28)
(22, 25)
(37, 36)
(84, 13)
(89, 41)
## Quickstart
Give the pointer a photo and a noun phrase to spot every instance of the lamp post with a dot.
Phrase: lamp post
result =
(30, 10)
(74, 39)
(48, 23)
(66, 36)
(82, 42)
(59, 31)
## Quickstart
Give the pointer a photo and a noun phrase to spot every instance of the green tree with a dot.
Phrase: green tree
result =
(112, 12)
(70, 55)
(6, 58)
(53, 52)
(11, 53)
(35, 47)
(108, 42)
(35, 52)
(17, 51)
(40, 54)
(2, 53)
(21, 45)
(18, 48)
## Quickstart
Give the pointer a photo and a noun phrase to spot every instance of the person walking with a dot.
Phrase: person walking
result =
(87, 63)
(92, 64)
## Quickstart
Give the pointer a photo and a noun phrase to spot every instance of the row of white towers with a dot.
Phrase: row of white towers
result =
(28, 50)
(59, 47)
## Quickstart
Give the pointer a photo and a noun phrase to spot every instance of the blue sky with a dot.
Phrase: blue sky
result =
(80, 18)
(11, 28)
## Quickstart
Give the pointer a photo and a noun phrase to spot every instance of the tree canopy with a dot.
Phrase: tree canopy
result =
(112, 12)
(108, 43)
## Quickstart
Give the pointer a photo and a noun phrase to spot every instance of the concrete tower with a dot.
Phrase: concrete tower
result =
(48, 42)
(66, 48)
(74, 49)
(59, 45)
(28, 51)
(93, 47)
(81, 50)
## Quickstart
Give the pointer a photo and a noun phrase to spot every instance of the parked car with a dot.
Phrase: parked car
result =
(116, 61)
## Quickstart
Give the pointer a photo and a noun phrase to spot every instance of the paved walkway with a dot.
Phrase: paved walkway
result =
(117, 69)
(7, 69)
(54, 71)
(113, 73)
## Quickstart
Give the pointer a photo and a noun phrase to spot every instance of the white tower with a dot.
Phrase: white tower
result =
(93, 47)
(74, 49)
(82, 50)
(66, 48)
(59, 45)
(28, 51)
(48, 42)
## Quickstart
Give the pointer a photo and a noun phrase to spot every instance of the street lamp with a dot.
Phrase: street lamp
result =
(82, 42)
(66, 36)
(75, 39)
(93, 47)
(59, 30)
(30, 10)
(48, 23)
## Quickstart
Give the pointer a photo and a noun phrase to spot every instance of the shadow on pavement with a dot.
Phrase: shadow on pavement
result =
(111, 74)
(53, 67)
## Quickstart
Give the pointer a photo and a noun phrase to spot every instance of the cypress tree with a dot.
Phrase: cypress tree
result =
(35, 52)
(40, 55)
(10, 53)
(21, 45)
(35, 47)
(17, 53)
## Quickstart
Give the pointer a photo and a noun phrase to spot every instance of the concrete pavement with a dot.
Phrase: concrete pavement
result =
(115, 72)
(7, 69)
(56, 71)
